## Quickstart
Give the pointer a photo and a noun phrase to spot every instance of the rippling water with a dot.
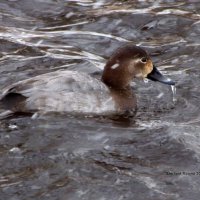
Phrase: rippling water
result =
(156, 155)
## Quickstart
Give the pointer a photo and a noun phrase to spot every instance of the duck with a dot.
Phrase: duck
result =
(80, 93)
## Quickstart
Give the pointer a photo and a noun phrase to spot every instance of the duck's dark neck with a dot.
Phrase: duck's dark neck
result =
(125, 101)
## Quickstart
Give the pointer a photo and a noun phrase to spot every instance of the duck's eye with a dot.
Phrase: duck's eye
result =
(144, 59)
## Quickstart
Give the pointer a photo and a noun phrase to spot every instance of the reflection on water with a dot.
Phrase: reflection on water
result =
(156, 154)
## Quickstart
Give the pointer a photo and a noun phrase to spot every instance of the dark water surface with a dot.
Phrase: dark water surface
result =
(156, 155)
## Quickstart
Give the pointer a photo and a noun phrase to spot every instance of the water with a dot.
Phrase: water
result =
(173, 87)
(155, 155)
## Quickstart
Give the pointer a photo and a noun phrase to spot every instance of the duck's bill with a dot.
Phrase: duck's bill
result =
(155, 75)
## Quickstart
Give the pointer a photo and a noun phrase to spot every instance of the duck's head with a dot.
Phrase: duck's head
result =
(130, 62)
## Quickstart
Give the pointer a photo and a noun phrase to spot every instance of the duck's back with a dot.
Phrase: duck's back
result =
(60, 91)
